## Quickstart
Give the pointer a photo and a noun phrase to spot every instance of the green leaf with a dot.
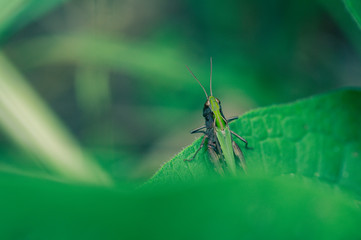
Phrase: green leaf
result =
(354, 7)
(319, 138)
(245, 208)
(17, 13)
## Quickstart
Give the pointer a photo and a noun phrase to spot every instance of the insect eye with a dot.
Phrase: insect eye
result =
(218, 101)
(208, 103)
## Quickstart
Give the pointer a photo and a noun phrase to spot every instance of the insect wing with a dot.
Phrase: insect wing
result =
(225, 140)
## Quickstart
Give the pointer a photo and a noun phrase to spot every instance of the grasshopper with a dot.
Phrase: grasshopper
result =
(220, 144)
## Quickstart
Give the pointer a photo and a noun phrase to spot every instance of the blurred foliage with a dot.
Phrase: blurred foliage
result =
(16, 14)
(244, 208)
(28, 121)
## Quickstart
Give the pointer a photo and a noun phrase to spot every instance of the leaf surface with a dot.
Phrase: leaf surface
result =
(318, 138)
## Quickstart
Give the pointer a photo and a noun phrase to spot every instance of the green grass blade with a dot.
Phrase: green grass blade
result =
(17, 13)
(108, 53)
(32, 125)
(354, 8)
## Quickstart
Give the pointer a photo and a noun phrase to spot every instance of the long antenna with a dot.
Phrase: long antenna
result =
(197, 81)
(210, 84)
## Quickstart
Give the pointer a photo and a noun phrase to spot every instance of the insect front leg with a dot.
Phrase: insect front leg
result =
(197, 130)
(215, 160)
(200, 147)
(231, 119)
(240, 156)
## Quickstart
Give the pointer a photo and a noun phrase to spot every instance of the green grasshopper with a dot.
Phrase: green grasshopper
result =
(221, 146)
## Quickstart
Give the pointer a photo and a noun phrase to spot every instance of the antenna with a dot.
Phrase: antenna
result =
(210, 81)
(197, 81)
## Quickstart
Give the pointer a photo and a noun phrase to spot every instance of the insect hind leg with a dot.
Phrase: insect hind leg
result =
(240, 156)
(242, 139)
(215, 160)
(200, 147)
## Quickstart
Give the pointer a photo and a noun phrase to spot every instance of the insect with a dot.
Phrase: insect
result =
(220, 144)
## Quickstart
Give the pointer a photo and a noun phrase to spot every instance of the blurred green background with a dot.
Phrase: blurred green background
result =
(99, 88)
